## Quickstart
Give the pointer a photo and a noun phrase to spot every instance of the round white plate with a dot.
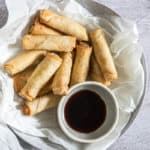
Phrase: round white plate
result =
(96, 9)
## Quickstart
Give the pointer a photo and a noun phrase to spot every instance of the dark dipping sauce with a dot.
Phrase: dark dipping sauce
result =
(85, 111)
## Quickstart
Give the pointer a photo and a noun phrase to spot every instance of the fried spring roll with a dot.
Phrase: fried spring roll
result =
(62, 77)
(40, 104)
(103, 55)
(41, 75)
(81, 64)
(21, 79)
(39, 29)
(22, 61)
(63, 24)
(96, 74)
(49, 42)
(46, 88)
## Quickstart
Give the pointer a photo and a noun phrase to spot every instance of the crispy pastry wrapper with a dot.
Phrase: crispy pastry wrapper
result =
(96, 73)
(22, 61)
(63, 24)
(20, 79)
(81, 63)
(103, 55)
(41, 75)
(62, 77)
(40, 104)
(49, 42)
(40, 29)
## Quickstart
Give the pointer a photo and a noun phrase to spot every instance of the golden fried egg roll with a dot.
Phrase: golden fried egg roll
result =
(81, 64)
(49, 42)
(39, 29)
(62, 77)
(20, 79)
(96, 74)
(46, 88)
(40, 76)
(40, 104)
(22, 61)
(63, 24)
(103, 55)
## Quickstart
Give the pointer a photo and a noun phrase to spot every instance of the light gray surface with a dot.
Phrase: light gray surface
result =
(138, 135)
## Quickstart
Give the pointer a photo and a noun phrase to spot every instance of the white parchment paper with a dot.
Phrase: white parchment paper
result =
(42, 130)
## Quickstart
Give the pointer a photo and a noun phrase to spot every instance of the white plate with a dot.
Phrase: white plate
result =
(97, 10)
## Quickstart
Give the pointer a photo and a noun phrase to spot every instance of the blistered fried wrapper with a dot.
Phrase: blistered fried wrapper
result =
(122, 37)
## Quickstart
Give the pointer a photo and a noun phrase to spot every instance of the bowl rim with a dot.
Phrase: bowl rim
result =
(64, 100)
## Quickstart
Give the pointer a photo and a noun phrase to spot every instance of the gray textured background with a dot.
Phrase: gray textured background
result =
(138, 135)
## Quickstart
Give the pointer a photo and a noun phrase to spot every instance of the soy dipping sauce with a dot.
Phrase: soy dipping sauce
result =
(85, 111)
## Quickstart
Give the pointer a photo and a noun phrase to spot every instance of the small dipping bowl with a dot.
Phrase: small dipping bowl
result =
(111, 118)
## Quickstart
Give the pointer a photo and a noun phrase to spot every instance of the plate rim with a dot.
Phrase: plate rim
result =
(143, 62)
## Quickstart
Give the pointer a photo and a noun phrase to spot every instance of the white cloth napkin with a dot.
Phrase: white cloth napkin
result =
(42, 131)
(8, 140)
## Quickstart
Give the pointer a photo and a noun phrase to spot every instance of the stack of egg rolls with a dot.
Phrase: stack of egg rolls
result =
(58, 54)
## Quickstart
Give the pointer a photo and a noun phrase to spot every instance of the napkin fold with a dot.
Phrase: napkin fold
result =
(8, 140)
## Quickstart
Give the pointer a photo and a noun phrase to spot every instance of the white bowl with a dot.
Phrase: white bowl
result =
(112, 113)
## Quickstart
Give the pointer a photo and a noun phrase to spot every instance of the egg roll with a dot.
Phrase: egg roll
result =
(46, 88)
(22, 61)
(81, 64)
(62, 77)
(49, 42)
(103, 55)
(39, 29)
(96, 74)
(40, 104)
(20, 79)
(40, 76)
(63, 24)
